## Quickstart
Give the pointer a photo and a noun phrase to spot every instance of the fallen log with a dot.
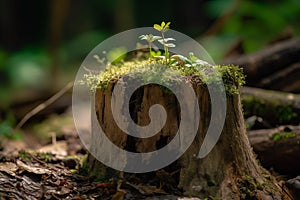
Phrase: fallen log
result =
(286, 79)
(278, 148)
(268, 61)
(275, 107)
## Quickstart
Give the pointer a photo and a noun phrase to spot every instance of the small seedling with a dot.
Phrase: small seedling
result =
(169, 60)
(150, 39)
(162, 28)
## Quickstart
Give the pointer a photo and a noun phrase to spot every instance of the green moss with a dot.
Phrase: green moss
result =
(286, 114)
(272, 110)
(248, 187)
(3, 195)
(253, 106)
(97, 171)
(232, 76)
(268, 185)
(25, 155)
(84, 166)
(28, 155)
(45, 156)
(283, 135)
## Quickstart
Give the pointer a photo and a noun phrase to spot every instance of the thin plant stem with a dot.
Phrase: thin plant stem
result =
(165, 47)
(150, 50)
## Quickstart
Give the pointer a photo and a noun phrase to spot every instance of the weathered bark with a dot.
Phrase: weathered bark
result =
(225, 172)
(262, 63)
(229, 164)
(278, 148)
(274, 107)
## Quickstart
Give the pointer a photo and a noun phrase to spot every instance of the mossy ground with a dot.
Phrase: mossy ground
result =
(249, 187)
(282, 135)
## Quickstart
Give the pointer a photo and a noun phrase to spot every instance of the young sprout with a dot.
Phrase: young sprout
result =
(150, 39)
(164, 27)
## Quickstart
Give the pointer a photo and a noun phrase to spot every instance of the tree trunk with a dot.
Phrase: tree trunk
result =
(229, 171)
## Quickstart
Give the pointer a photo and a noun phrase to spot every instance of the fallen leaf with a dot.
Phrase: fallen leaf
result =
(63, 191)
(58, 148)
(35, 170)
(9, 168)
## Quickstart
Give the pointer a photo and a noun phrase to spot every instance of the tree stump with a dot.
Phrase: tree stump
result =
(229, 171)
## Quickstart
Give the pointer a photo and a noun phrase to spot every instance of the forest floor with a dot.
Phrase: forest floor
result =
(50, 167)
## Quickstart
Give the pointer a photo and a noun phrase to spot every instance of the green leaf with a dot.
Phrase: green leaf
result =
(149, 38)
(168, 25)
(169, 39)
(180, 58)
(160, 57)
(161, 41)
(193, 57)
(154, 54)
(143, 37)
(165, 42)
(157, 27)
(154, 38)
(163, 27)
(170, 45)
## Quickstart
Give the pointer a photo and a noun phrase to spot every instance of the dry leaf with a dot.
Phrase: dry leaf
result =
(58, 148)
(9, 168)
(35, 170)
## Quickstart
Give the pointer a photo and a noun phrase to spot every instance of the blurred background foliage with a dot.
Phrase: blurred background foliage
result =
(42, 43)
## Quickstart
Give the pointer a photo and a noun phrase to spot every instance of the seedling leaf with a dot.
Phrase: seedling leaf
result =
(170, 45)
(157, 27)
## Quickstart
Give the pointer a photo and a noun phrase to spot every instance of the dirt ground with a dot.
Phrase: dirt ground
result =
(50, 167)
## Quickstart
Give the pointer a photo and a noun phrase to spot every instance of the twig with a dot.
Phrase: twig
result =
(44, 105)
